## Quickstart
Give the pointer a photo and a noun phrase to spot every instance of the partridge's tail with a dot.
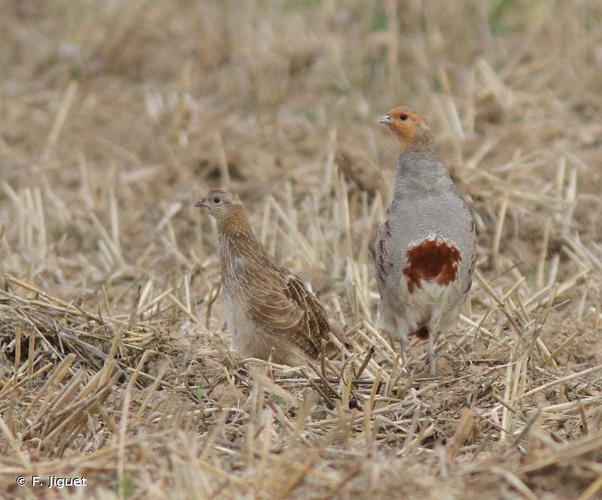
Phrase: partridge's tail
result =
(422, 332)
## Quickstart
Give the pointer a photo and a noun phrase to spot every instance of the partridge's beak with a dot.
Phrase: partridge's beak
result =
(385, 120)
(201, 203)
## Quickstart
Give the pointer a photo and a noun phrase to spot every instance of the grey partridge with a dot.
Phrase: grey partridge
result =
(426, 248)
(268, 309)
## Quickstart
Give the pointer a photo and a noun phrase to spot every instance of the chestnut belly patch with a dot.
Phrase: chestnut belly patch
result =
(431, 261)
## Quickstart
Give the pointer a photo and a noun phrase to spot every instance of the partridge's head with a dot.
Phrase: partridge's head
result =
(220, 203)
(409, 127)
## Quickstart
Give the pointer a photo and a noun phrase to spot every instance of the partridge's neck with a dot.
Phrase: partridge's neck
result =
(420, 170)
(236, 237)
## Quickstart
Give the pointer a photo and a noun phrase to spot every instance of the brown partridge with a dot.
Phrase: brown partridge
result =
(426, 249)
(268, 309)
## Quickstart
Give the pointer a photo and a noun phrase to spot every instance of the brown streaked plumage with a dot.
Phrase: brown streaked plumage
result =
(268, 309)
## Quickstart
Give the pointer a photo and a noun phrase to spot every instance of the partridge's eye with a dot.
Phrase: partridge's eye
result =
(403, 117)
(217, 200)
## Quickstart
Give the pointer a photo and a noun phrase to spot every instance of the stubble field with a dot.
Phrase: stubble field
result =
(115, 117)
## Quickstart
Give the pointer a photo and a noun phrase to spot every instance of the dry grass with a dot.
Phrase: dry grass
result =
(114, 365)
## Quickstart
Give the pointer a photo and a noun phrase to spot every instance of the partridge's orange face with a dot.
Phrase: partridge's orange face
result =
(409, 127)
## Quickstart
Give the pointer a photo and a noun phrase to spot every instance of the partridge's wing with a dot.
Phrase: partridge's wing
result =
(280, 302)
(314, 316)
